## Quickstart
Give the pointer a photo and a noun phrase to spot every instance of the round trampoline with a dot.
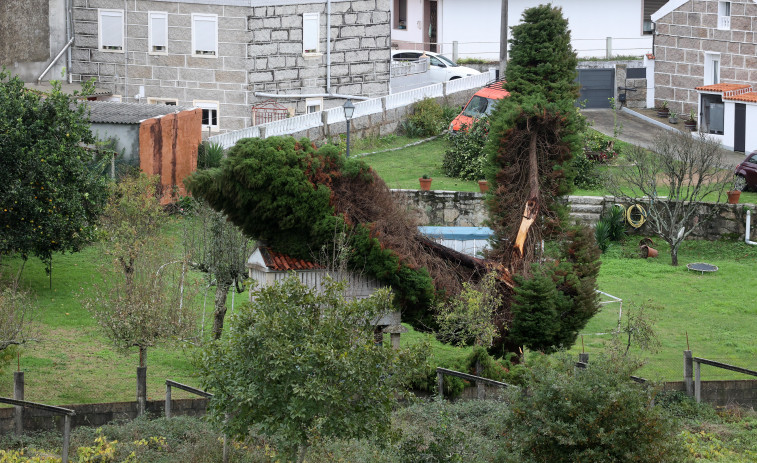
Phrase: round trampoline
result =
(702, 267)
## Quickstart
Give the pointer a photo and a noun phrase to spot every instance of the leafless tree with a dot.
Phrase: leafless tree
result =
(218, 248)
(690, 167)
(16, 314)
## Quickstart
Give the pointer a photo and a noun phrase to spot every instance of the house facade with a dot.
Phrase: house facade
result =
(475, 24)
(225, 56)
(705, 62)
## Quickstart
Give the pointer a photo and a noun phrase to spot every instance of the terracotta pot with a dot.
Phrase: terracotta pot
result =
(425, 183)
(483, 185)
(733, 196)
(646, 251)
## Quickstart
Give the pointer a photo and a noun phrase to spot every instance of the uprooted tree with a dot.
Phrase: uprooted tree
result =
(535, 135)
(689, 168)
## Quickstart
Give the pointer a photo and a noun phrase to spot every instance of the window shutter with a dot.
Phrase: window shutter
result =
(112, 30)
(159, 30)
(205, 35)
(310, 28)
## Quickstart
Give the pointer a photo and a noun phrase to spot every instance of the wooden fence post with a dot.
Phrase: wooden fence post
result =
(440, 384)
(66, 437)
(698, 384)
(688, 372)
(18, 394)
(168, 400)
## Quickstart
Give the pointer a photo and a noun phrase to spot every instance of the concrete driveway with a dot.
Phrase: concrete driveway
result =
(639, 131)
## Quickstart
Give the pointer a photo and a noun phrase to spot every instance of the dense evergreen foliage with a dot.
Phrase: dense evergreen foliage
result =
(536, 133)
(297, 199)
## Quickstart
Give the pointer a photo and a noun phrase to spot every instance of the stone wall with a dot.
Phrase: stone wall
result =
(464, 209)
(683, 38)
(742, 393)
(97, 414)
(259, 50)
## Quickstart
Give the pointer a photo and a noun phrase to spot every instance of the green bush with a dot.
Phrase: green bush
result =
(602, 234)
(209, 155)
(586, 175)
(465, 158)
(427, 117)
(589, 415)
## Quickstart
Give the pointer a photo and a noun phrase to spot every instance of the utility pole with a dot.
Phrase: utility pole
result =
(503, 41)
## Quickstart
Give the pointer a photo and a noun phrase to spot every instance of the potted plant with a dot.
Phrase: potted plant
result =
(425, 182)
(673, 119)
(735, 192)
(691, 122)
(663, 110)
(483, 185)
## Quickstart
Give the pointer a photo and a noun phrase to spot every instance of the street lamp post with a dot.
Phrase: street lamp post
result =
(349, 110)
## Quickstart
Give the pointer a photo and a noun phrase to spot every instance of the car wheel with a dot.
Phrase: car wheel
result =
(739, 183)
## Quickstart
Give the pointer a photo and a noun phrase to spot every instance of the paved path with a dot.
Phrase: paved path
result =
(638, 131)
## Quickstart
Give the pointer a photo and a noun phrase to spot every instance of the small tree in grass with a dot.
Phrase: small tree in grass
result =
(16, 315)
(144, 293)
(300, 364)
(689, 167)
(218, 248)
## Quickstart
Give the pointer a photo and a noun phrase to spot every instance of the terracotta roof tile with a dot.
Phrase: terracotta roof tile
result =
(750, 97)
(722, 87)
(281, 262)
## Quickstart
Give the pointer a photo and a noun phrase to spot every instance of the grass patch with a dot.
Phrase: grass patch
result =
(402, 168)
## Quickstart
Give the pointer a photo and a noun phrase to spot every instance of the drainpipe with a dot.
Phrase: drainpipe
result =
(328, 46)
(69, 36)
(748, 227)
(57, 57)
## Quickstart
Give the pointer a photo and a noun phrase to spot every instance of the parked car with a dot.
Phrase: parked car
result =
(441, 68)
(745, 175)
(480, 104)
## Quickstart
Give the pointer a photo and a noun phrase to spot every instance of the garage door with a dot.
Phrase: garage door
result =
(596, 87)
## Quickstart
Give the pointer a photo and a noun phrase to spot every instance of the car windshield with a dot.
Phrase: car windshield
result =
(447, 61)
(479, 107)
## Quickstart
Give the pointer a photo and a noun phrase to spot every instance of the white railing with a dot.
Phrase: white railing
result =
(479, 80)
(293, 124)
(229, 139)
(362, 108)
(406, 68)
(724, 23)
(396, 100)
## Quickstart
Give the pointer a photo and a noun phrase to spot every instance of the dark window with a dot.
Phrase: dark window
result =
(636, 73)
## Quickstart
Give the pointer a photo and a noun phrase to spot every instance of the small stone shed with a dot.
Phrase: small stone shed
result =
(159, 139)
(267, 266)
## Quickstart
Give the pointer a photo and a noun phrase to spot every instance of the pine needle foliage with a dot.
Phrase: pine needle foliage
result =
(293, 197)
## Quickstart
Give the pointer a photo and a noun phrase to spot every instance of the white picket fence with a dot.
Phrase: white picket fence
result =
(362, 108)
(407, 68)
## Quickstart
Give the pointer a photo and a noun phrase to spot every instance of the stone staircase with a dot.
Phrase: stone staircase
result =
(587, 209)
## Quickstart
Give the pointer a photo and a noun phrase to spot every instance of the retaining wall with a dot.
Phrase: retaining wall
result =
(97, 414)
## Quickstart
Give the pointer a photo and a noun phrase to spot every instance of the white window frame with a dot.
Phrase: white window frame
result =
(165, 101)
(209, 52)
(311, 28)
(724, 16)
(113, 14)
(151, 37)
(209, 105)
(711, 68)
(316, 103)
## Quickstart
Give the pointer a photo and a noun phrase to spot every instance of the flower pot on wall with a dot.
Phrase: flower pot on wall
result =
(733, 196)
(690, 125)
(483, 185)
(663, 112)
(425, 183)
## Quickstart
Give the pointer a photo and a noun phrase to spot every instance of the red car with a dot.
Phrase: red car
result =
(745, 177)
(481, 104)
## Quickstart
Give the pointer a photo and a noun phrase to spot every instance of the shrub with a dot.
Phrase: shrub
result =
(585, 170)
(465, 158)
(592, 415)
(599, 147)
(602, 234)
(428, 117)
(209, 155)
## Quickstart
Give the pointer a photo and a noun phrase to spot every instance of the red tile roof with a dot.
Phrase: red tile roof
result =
(281, 262)
(749, 97)
(722, 87)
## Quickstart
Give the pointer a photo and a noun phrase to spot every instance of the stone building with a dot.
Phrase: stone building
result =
(219, 55)
(705, 61)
